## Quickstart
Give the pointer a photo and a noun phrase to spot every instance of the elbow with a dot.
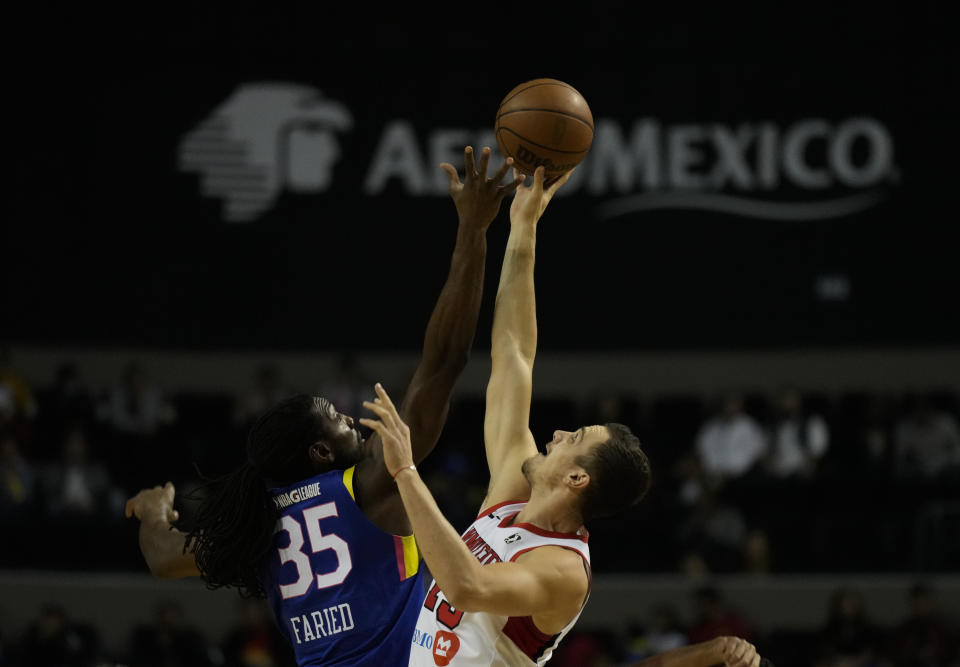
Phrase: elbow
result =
(508, 346)
(466, 593)
(464, 597)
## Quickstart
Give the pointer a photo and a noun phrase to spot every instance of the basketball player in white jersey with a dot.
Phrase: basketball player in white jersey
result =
(515, 583)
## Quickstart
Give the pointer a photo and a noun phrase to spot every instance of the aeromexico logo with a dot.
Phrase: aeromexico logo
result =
(271, 137)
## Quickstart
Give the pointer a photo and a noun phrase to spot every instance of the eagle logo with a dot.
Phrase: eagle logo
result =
(264, 138)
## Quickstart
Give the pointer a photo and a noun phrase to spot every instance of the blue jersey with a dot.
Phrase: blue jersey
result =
(343, 591)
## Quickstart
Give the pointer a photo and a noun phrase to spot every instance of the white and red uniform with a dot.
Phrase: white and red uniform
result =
(447, 636)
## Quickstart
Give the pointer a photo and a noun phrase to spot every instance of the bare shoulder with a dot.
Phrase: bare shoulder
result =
(562, 569)
(561, 572)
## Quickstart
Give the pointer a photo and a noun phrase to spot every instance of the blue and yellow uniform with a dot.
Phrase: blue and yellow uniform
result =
(343, 591)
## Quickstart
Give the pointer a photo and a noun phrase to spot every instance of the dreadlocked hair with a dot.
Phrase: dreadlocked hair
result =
(232, 530)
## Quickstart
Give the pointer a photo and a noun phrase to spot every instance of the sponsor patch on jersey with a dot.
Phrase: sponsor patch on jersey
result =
(296, 495)
(513, 538)
(445, 647)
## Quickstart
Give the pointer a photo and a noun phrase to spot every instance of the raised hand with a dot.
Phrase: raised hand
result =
(393, 432)
(531, 201)
(156, 502)
(478, 198)
(737, 652)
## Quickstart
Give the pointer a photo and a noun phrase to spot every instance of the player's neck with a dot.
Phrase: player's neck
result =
(553, 510)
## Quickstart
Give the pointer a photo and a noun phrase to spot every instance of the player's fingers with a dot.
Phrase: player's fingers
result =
(484, 161)
(373, 424)
(756, 660)
(740, 650)
(511, 187)
(128, 508)
(502, 171)
(385, 397)
(378, 410)
(468, 162)
(538, 180)
(519, 177)
(386, 416)
(451, 174)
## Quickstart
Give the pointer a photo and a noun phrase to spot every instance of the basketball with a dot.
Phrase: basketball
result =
(544, 122)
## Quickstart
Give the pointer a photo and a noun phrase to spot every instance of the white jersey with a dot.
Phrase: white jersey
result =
(447, 636)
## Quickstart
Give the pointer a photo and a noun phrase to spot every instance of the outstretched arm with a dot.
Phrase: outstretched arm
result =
(549, 583)
(161, 543)
(450, 331)
(506, 430)
(730, 651)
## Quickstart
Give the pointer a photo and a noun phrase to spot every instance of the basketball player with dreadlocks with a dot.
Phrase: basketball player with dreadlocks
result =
(509, 589)
(312, 520)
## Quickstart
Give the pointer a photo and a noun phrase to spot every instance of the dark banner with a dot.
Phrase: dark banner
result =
(262, 179)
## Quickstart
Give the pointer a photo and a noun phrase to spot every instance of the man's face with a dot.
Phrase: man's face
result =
(342, 435)
(562, 452)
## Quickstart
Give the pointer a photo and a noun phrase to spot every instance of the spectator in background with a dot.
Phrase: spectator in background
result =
(67, 401)
(137, 406)
(16, 479)
(926, 638)
(756, 553)
(256, 641)
(53, 640)
(18, 407)
(800, 438)
(75, 486)
(662, 632)
(848, 637)
(582, 648)
(717, 531)
(268, 390)
(714, 618)
(875, 447)
(731, 443)
(168, 641)
(926, 442)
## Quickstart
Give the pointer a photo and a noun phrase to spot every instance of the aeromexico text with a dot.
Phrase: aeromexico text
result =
(809, 154)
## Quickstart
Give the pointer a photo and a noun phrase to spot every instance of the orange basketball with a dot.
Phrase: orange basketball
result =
(544, 122)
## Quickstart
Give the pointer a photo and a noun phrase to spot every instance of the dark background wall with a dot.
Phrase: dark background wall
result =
(111, 239)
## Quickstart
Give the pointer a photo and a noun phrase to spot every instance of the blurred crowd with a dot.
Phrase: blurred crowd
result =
(743, 482)
(846, 637)
(55, 639)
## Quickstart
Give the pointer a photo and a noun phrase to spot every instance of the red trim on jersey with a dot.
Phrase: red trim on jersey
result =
(527, 636)
(494, 508)
(401, 561)
(540, 531)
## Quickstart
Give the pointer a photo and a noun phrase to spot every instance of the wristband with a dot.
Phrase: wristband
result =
(410, 467)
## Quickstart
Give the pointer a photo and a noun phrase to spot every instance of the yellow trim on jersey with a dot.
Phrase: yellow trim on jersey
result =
(411, 555)
(348, 481)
